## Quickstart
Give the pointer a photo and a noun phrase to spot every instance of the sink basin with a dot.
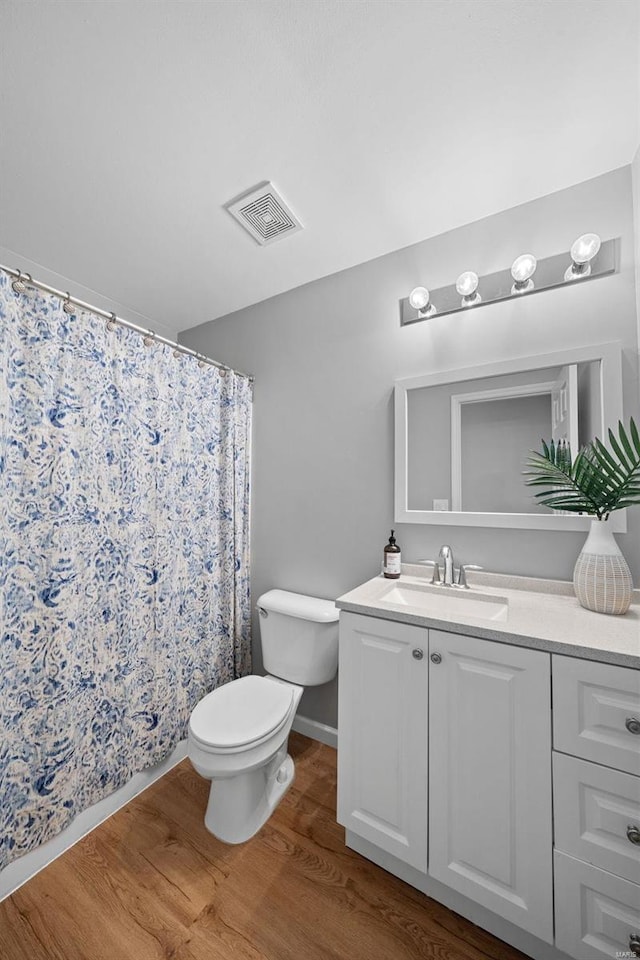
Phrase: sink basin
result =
(445, 602)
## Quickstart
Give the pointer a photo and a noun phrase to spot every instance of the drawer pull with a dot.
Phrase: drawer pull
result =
(634, 944)
(632, 724)
(633, 833)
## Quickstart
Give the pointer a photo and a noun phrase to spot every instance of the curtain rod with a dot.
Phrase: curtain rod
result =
(27, 280)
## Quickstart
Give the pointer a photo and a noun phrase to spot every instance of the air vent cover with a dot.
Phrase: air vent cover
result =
(264, 214)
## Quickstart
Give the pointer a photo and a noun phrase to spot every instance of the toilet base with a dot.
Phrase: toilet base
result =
(240, 805)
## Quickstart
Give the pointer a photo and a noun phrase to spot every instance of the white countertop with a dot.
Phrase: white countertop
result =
(542, 614)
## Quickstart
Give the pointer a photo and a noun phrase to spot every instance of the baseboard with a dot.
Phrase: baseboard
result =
(316, 730)
(18, 872)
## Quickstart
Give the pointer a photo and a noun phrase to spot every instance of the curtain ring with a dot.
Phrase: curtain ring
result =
(177, 353)
(201, 362)
(111, 322)
(149, 339)
(67, 306)
(223, 371)
(19, 286)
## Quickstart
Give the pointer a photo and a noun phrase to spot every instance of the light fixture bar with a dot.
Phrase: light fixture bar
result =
(493, 287)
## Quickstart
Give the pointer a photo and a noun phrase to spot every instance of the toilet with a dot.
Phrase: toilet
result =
(238, 733)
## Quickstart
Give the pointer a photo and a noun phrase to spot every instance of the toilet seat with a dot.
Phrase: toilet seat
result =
(241, 715)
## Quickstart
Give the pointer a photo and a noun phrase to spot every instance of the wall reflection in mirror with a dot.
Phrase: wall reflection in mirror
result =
(467, 441)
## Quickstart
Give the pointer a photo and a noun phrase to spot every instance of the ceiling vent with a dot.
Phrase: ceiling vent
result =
(264, 214)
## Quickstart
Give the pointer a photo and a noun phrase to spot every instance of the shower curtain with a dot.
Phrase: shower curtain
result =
(124, 555)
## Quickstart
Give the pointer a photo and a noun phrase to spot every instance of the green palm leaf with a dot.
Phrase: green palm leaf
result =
(597, 482)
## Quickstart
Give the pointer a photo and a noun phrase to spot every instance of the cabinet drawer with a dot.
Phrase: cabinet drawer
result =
(597, 914)
(596, 712)
(597, 815)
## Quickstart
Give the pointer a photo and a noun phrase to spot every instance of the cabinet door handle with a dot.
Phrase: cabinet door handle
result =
(417, 654)
(633, 833)
(634, 944)
(632, 724)
(436, 658)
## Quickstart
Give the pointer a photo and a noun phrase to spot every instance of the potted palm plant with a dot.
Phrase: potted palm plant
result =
(596, 483)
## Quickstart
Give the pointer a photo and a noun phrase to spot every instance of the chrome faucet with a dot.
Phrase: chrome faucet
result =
(447, 555)
(450, 576)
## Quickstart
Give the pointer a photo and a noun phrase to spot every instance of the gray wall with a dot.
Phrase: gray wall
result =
(325, 357)
(635, 169)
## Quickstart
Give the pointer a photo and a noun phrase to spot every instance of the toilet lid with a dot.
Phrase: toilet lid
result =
(241, 712)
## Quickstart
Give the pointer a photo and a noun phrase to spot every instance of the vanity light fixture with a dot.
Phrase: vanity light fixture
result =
(590, 258)
(583, 250)
(522, 269)
(419, 298)
(467, 287)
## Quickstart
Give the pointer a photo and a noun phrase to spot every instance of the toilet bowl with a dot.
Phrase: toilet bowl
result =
(238, 733)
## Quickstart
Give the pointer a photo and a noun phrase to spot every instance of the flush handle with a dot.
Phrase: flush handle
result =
(263, 612)
(417, 654)
(633, 833)
(633, 725)
(634, 944)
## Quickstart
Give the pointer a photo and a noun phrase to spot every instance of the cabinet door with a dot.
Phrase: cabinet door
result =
(382, 735)
(490, 819)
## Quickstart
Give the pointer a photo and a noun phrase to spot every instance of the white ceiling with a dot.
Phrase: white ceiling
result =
(125, 127)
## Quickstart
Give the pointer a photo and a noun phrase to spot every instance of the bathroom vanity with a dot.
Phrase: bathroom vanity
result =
(489, 755)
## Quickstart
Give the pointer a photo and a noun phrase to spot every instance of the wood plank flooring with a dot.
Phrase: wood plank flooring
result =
(152, 883)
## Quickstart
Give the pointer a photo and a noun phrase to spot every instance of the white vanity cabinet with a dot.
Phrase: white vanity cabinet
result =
(490, 818)
(489, 755)
(382, 740)
(451, 749)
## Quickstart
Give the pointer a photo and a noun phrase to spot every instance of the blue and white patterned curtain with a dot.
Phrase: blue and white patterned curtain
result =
(124, 555)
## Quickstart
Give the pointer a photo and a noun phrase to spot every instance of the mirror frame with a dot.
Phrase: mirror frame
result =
(610, 357)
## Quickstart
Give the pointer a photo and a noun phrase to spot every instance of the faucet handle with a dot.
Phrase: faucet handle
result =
(436, 569)
(462, 574)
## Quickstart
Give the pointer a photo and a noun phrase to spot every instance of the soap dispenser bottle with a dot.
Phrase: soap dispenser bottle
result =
(391, 563)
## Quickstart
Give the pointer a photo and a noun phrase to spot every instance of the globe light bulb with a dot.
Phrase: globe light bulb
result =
(523, 267)
(467, 283)
(419, 298)
(585, 248)
(467, 286)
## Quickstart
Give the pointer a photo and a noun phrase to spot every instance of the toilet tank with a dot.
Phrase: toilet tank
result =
(299, 637)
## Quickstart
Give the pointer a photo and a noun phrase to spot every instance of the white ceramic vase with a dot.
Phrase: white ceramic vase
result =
(601, 578)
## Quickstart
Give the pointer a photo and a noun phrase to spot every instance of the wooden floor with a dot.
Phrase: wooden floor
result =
(152, 883)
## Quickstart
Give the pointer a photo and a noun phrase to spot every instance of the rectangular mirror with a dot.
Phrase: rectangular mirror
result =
(462, 436)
